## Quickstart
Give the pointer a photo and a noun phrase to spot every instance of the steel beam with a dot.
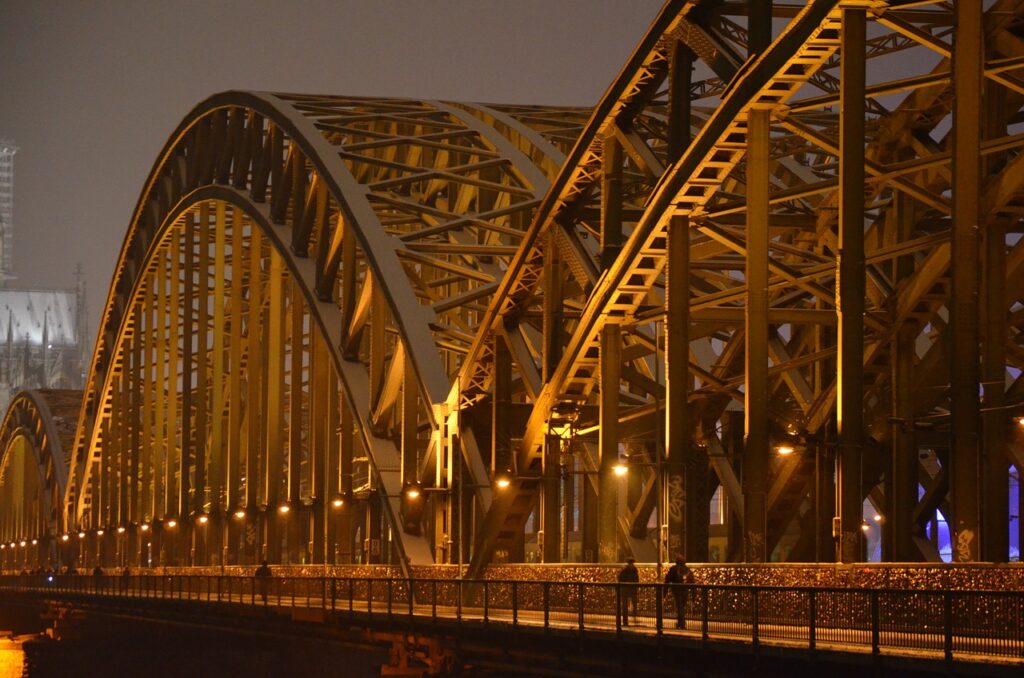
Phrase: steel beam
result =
(608, 485)
(756, 443)
(851, 281)
(964, 366)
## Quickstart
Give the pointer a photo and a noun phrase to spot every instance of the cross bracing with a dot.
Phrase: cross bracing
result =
(427, 332)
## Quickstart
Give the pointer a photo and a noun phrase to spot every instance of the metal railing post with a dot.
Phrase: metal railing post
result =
(412, 587)
(618, 609)
(947, 614)
(705, 613)
(433, 599)
(458, 604)
(579, 606)
(334, 593)
(874, 622)
(515, 604)
(486, 601)
(812, 621)
(547, 605)
(659, 610)
(390, 593)
(754, 631)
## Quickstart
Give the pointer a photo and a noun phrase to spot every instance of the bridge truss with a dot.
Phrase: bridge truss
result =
(382, 330)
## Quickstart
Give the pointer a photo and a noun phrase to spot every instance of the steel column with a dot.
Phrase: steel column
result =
(964, 370)
(684, 534)
(756, 443)
(608, 494)
(851, 281)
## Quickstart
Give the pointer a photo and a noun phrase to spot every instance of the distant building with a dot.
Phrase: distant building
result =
(7, 151)
(43, 337)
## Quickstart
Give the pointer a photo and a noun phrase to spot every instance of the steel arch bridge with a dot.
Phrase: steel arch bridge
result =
(775, 265)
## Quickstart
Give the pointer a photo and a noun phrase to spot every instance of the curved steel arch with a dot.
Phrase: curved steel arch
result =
(339, 170)
(705, 181)
(43, 422)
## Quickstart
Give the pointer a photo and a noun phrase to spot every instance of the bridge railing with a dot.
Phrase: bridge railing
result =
(943, 623)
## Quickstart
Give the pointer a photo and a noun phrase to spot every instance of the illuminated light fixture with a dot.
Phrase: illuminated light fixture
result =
(64, 537)
(240, 514)
(34, 542)
(283, 509)
(203, 519)
(503, 479)
(877, 518)
(144, 527)
(338, 502)
(864, 526)
(3, 546)
(1020, 421)
(22, 542)
(412, 492)
(81, 535)
(120, 530)
(784, 450)
(620, 469)
(99, 533)
(171, 523)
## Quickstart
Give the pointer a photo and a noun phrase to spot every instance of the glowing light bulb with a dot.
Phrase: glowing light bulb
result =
(620, 469)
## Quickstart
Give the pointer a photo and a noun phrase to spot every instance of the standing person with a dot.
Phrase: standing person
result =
(263, 575)
(629, 577)
(679, 575)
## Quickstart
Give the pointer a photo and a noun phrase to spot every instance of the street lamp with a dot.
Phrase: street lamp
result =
(784, 450)
(284, 508)
(620, 469)
(171, 523)
(202, 519)
(503, 480)
(412, 491)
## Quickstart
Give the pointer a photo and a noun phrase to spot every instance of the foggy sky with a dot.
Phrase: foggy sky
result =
(91, 90)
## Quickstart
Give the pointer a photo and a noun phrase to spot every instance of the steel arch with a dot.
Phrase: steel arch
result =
(705, 181)
(350, 164)
(42, 422)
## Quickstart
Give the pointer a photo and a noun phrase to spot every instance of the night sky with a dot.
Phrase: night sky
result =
(91, 90)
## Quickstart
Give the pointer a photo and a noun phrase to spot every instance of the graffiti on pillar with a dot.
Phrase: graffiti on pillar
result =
(850, 546)
(676, 498)
(964, 545)
(755, 547)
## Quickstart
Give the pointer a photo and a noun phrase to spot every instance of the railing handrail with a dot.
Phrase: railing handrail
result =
(941, 621)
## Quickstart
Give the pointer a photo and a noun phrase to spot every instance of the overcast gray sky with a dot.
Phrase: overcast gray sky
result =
(91, 90)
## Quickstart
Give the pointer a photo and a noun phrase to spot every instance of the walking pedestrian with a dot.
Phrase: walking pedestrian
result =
(629, 577)
(263, 575)
(677, 580)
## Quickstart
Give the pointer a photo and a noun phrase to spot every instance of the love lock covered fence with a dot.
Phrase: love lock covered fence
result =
(975, 625)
